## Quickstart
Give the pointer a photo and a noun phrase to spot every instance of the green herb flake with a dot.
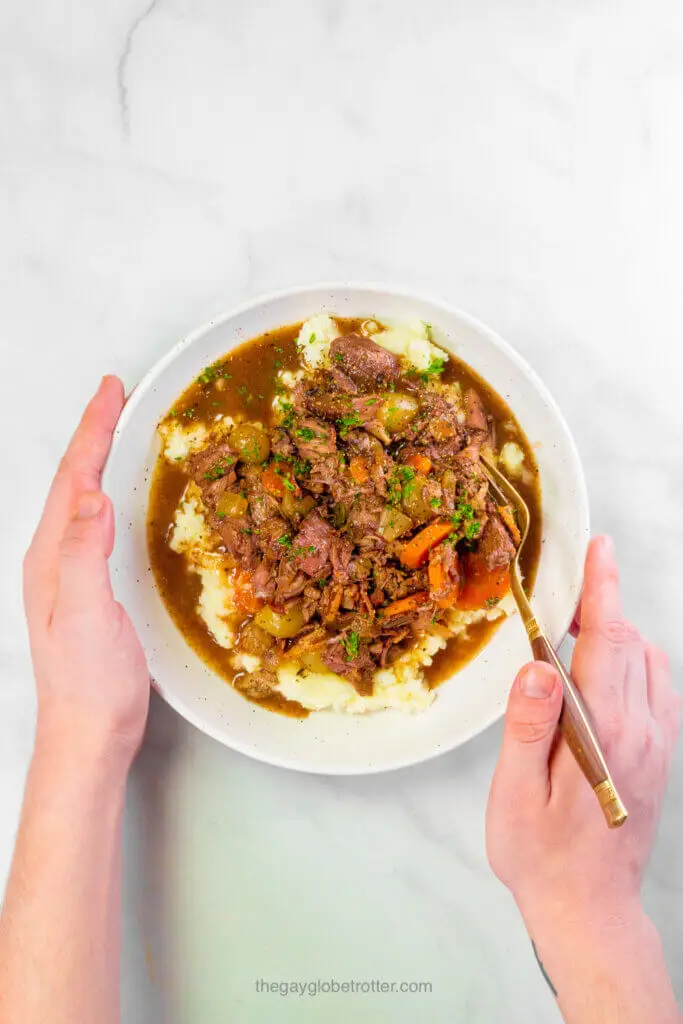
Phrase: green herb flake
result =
(472, 529)
(350, 645)
(285, 541)
(435, 369)
(306, 433)
(345, 424)
(435, 502)
(287, 410)
(208, 375)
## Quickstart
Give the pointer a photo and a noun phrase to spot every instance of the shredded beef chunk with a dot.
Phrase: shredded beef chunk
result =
(364, 361)
(476, 417)
(495, 545)
(314, 438)
(257, 685)
(212, 463)
(313, 544)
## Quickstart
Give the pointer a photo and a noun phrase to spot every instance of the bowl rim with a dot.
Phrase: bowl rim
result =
(581, 495)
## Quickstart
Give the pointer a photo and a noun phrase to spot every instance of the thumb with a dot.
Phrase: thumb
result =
(83, 570)
(531, 720)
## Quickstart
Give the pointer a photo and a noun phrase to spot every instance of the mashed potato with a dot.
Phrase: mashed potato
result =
(315, 337)
(189, 530)
(511, 458)
(409, 339)
(179, 441)
(400, 687)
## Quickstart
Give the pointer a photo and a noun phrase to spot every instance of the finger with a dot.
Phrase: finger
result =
(84, 583)
(663, 700)
(80, 470)
(531, 721)
(602, 648)
(601, 605)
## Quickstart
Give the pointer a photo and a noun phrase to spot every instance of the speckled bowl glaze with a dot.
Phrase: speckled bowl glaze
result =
(339, 744)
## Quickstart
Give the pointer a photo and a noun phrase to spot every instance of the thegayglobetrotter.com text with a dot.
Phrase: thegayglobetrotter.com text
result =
(328, 986)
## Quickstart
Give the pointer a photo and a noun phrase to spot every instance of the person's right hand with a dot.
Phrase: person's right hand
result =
(91, 673)
(547, 838)
(574, 880)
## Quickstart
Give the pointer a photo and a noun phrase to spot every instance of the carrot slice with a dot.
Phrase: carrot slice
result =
(419, 462)
(278, 480)
(358, 468)
(245, 598)
(482, 586)
(405, 604)
(416, 551)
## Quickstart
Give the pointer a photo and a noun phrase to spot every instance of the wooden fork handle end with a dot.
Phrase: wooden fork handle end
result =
(580, 737)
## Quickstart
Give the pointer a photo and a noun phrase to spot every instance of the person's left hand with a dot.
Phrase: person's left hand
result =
(91, 674)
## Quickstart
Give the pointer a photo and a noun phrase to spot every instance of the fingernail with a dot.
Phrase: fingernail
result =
(89, 505)
(538, 681)
(607, 546)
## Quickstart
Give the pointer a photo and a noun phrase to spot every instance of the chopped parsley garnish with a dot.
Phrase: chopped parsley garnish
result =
(323, 582)
(394, 488)
(491, 602)
(472, 529)
(221, 515)
(338, 357)
(345, 424)
(285, 541)
(306, 433)
(208, 375)
(407, 472)
(435, 502)
(436, 367)
(311, 338)
(350, 645)
(287, 410)
(464, 513)
(288, 484)
(277, 364)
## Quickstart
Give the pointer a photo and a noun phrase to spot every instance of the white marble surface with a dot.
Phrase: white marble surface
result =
(163, 160)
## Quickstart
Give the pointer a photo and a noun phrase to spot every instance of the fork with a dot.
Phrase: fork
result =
(575, 722)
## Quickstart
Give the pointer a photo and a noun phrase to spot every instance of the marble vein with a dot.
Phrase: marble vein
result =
(122, 67)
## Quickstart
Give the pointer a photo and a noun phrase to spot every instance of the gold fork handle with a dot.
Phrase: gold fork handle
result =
(578, 732)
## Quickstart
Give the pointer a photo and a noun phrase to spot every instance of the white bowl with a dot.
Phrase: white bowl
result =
(339, 744)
